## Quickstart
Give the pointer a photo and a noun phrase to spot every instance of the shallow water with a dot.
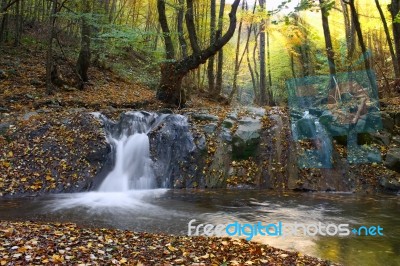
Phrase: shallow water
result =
(169, 211)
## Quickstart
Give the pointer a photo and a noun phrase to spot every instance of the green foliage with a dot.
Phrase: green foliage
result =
(397, 18)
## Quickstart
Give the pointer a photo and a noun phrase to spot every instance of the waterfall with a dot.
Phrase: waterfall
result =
(131, 145)
(133, 166)
(308, 127)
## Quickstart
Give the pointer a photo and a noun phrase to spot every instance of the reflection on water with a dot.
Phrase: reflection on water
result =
(170, 211)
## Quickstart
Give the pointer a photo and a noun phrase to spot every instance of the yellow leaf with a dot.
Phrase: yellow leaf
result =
(123, 260)
(48, 178)
(10, 154)
(6, 164)
(3, 262)
(57, 258)
(171, 248)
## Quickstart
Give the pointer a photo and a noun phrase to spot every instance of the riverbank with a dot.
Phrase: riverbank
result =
(69, 244)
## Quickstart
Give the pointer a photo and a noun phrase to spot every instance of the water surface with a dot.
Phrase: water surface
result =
(169, 211)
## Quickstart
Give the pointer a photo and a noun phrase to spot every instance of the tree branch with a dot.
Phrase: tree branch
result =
(193, 61)
(191, 28)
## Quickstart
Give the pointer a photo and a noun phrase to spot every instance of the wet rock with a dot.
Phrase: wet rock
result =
(387, 122)
(316, 111)
(177, 158)
(326, 118)
(228, 123)
(98, 154)
(219, 168)
(305, 128)
(337, 130)
(205, 117)
(246, 138)
(382, 138)
(210, 128)
(233, 116)
(392, 160)
(390, 183)
(225, 135)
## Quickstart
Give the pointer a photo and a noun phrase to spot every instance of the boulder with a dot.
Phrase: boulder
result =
(306, 128)
(246, 138)
(393, 159)
(205, 117)
(390, 183)
(387, 122)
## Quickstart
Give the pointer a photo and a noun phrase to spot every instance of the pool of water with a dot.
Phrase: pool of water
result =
(169, 211)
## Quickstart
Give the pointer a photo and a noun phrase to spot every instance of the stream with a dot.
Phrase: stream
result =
(169, 211)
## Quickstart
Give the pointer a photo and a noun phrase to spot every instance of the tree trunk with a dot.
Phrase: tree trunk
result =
(18, 22)
(350, 32)
(263, 82)
(170, 89)
(365, 54)
(237, 64)
(328, 40)
(50, 68)
(257, 76)
(253, 78)
(269, 62)
(181, 37)
(4, 22)
(218, 83)
(210, 67)
(394, 11)
(85, 53)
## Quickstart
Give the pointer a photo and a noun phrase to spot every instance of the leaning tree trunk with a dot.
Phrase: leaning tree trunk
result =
(170, 90)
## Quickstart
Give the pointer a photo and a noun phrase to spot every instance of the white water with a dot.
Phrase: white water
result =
(132, 180)
(132, 167)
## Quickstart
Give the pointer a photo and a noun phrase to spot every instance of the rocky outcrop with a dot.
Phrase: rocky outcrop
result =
(244, 148)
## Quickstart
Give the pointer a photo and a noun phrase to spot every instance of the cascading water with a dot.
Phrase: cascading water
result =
(311, 128)
(132, 178)
(133, 166)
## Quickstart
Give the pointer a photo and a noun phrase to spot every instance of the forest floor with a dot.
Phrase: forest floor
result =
(67, 244)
